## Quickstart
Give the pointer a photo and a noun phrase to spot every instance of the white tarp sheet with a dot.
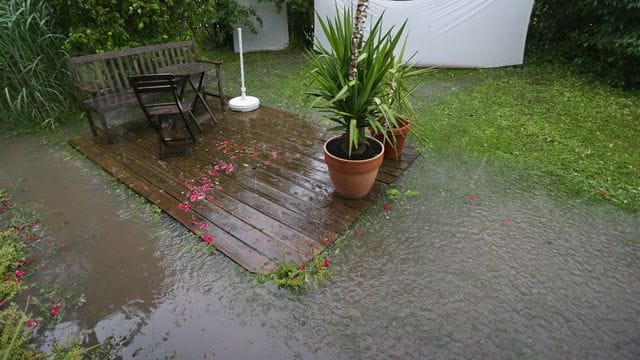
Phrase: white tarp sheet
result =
(451, 33)
(274, 33)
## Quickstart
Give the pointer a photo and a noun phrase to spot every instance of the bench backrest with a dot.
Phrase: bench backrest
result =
(107, 72)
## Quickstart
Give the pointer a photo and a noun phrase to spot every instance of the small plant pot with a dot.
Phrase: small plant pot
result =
(399, 134)
(353, 179)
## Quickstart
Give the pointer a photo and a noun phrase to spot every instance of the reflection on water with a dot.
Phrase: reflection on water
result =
(438, 276)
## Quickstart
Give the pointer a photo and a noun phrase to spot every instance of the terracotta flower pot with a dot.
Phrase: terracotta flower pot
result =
(353, 179)
(400, 134)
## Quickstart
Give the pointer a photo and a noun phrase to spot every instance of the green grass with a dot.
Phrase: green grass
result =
(573, 132)
(278, 78)
(578, 134)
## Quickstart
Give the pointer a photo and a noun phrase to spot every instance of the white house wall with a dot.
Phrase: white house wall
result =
(451, 33)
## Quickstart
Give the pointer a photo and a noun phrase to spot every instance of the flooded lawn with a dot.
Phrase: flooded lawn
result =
(482, 263)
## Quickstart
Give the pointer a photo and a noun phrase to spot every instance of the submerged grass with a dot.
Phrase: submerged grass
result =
(18, 238)
(577, 134)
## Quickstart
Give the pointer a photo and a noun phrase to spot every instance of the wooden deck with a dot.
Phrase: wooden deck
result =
(277, 200)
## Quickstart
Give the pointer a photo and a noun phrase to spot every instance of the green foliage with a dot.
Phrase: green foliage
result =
(603, 36)
(36, 89)
(11, 252)
(15, 336)
(222, 19)
(321, 269)
(103, 25)
(297, 277)
(357, 104)
(394, 193)
(289, 276)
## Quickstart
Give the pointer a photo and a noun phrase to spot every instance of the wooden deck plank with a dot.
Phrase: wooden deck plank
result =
(234, 199)
(245, 256)
(334, 214)
(313, 188)
(273, 205)
(238, 219)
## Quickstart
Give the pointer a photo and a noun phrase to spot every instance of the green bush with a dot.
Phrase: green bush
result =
(11, 251)
(601, 36)
(36, 90)
(15, 336)
(103, 25)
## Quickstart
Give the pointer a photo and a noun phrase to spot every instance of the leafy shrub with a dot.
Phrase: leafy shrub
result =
(99, 25)
(290, 276)
(603, 36)
(14, 335)
(36, 89)
(11, 251)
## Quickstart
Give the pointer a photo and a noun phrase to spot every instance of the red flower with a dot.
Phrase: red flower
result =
(207, 238)
(357, 232)
(301, 267)
(326, 263)
(31, 323)
(266, 163)
(56, 309)
(472, 198)
(274, 153)
(61, 246)
(19, 273)
(203, 226)
(386, 206)
(506, 222)
(184, 207)
(228, 168)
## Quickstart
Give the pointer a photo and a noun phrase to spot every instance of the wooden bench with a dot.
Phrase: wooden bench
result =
(102, 82)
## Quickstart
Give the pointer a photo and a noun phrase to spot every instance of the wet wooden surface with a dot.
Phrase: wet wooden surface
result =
(276, 202)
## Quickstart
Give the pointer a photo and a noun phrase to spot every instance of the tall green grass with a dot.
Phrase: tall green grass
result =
(36, 91)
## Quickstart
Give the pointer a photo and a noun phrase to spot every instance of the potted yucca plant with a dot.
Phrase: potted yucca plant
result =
(397, 106)
(350, 81)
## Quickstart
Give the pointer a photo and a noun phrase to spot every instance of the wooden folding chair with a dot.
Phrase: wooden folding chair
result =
(161, 97)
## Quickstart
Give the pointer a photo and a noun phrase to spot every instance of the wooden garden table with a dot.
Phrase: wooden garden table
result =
(189, 69)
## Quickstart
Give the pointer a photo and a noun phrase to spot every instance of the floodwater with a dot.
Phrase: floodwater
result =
(482, 263)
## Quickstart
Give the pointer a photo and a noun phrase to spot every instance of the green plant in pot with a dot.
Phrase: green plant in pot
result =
(350, 80)
(397, 106)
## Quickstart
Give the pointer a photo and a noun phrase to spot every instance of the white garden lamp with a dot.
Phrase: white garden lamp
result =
(243, 102)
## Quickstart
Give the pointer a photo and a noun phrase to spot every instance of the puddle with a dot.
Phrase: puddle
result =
(438, 276)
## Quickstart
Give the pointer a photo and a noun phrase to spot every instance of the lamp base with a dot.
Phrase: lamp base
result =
(244, 103)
